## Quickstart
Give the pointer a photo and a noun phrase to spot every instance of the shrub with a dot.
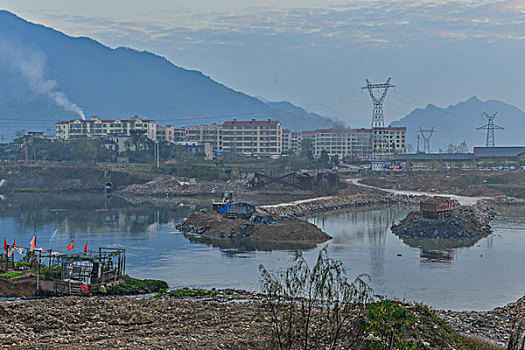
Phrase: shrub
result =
(310, 307)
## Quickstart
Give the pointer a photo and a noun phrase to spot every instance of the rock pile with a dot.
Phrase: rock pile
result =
(465, 222)
(496, 324)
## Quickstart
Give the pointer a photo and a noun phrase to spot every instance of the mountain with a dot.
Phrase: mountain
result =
(42, 68)
(458, 123)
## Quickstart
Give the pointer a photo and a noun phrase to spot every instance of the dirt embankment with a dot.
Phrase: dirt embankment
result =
(471, 183)
(57, 177)
(322, 204)
(208, 223)
(172, 186)
(465, 222)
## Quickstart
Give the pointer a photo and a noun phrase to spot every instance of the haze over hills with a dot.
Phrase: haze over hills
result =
(49, 76)
(458, 123)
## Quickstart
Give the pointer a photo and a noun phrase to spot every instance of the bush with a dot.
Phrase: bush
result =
(132, 286)
(309, 308)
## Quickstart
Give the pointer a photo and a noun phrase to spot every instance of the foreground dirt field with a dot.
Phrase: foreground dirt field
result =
(126, 323)
(233, 321)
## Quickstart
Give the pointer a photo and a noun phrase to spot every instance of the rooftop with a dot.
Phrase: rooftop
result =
(498, 152)
(435, 156)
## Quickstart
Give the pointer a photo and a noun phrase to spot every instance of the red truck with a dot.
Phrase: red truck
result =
(437, 207)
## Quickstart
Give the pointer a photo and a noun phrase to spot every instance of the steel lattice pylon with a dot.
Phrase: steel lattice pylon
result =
(426, 135)
(378, 143)
(490, 127)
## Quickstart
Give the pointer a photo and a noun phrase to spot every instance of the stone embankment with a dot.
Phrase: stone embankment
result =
(465, 222)
(322, 204)
(261, 228)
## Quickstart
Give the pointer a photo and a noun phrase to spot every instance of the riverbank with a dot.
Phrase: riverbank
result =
(218, 320)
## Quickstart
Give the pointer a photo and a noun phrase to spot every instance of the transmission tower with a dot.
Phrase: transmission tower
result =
(490, 127)
(426, 134)
(378, 142)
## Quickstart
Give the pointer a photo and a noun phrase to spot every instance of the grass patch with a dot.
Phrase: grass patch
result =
(21, 263)
(11, 274)
(132, 286)
(188, 293)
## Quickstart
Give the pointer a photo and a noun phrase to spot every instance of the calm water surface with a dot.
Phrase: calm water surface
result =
(459, 275)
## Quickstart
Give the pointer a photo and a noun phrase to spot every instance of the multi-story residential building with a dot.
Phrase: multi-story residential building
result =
(96, 127)
(166, 133)
(253, 138)
(205, 134)
(285, 142)
(355, 143)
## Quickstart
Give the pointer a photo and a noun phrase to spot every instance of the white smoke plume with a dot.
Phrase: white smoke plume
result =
(31, 64)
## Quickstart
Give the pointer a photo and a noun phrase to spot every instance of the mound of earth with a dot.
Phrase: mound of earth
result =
(465, 222)
(208, 223)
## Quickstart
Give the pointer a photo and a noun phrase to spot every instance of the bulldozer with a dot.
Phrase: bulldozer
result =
(229, 207)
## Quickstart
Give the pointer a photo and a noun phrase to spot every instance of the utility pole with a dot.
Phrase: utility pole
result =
(426, 134)
(417, 143)
(378, 142)
(157, 153)
(490, 127)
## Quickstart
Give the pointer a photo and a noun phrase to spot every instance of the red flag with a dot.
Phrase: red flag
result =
(85, 248)
(5, 245)
(70, 246)
(33, 243)
(14, 242)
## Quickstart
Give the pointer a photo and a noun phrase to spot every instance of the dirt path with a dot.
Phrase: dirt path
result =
(463, 200)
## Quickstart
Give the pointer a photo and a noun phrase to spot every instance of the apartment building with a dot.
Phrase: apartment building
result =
(252, 138)
(166, 133)
(96, 127)
(356, 143)
(204, 134)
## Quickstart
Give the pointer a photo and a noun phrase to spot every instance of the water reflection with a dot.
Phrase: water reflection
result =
(91, 213)
(235, 246)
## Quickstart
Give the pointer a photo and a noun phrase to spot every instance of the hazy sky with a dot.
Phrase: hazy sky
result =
(317, 54)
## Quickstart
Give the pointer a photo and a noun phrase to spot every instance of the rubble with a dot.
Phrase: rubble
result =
(465, 222)
(258, 227)
(172, 186)
(495, 324)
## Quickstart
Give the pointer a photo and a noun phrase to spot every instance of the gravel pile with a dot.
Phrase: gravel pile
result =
(465, 222)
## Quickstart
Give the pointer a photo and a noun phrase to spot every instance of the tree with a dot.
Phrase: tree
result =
(307, 148)
(312, 307)
(324, 158)
(335, 160)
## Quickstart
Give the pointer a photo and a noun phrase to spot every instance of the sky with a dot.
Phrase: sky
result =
(317, 54)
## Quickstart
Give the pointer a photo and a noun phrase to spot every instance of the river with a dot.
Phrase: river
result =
(460, 275)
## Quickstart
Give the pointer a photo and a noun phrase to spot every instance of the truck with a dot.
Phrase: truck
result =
(437, 207)
(230, 208)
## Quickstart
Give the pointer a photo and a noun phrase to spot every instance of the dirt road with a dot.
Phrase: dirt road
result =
(463, 200)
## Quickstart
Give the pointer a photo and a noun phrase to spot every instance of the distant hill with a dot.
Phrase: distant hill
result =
(458, 123)
(41, 67)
